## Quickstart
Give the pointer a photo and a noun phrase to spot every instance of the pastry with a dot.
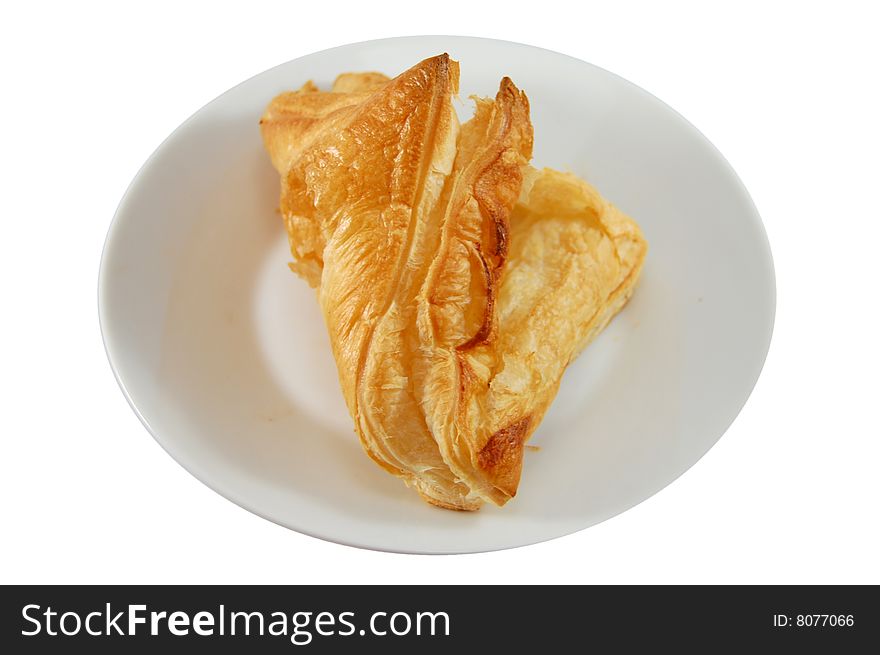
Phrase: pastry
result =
(456, 281)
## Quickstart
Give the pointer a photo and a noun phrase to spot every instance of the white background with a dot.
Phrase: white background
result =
(787, 91)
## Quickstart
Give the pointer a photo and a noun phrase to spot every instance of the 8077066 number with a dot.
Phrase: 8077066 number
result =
(818, 620)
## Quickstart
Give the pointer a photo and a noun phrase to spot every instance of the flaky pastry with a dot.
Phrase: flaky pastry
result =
(456, 281)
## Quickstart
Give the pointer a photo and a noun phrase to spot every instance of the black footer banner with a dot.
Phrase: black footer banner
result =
(334, 619)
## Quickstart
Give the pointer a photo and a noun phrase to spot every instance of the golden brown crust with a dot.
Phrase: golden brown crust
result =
(456, 281)
(359, 82)
(502, 455)
(459, 298)
(359, 198)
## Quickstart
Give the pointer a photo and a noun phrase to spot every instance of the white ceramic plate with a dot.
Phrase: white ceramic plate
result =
(222, 352)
